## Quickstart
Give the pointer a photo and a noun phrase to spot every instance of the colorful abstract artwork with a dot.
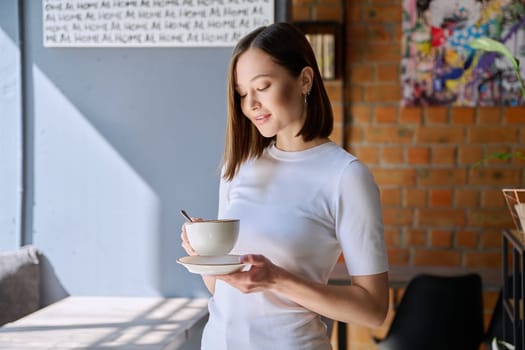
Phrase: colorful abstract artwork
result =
(440, 68)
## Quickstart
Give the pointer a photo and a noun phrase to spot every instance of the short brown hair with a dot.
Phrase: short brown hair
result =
(288, 47)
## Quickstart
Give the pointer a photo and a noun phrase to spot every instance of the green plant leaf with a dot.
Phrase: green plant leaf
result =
(494, 345)
(500, 156)
(491, 45)
(487, 44)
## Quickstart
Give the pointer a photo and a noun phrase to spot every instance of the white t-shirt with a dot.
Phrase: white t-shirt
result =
(300, 210)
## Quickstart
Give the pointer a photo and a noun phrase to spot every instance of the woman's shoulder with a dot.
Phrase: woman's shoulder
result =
(340, 152)
(341, 158)
(349, 165)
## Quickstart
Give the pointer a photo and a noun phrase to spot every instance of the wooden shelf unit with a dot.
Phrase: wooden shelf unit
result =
(514, 286)
(327, 27)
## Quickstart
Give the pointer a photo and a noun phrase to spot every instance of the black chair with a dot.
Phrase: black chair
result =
(438, 312)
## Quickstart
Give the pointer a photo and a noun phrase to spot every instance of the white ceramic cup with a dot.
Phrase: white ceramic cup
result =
(213, 237)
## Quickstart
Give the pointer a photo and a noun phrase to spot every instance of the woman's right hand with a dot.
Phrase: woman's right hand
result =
(185, 242)
(209, 281)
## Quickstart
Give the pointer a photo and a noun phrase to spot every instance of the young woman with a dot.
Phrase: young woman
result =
(301, 200)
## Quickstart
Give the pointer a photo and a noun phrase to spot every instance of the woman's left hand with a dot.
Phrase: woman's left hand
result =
(365, 301)
(261, 276)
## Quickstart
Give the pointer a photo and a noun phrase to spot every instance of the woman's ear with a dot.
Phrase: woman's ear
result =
(307, 79)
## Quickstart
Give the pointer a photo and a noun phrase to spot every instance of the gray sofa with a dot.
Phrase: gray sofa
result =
(19, 283)
(27, 283)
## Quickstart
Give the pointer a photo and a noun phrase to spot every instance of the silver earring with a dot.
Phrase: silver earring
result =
(306, 96)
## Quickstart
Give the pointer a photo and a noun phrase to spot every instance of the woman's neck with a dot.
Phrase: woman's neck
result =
(297, 144)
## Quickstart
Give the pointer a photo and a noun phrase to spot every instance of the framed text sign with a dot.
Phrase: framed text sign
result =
(151, 23)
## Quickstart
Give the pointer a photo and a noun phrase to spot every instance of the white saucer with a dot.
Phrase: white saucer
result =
(212, 265)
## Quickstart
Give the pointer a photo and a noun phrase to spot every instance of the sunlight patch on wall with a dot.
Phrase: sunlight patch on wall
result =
(89, 202)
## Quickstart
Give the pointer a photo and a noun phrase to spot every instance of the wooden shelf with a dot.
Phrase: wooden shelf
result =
(334, 30)
(514, 286)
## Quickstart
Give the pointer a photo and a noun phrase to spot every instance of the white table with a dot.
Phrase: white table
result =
(128, 323)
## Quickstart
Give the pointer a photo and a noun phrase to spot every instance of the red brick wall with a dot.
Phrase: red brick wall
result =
(438, 209)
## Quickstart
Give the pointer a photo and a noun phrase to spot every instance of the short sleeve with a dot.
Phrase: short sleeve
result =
(359, 221)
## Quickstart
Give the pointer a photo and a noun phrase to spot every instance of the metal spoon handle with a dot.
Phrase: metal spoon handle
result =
(183, 212)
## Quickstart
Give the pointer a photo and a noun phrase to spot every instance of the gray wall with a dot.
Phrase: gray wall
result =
(117, 140)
